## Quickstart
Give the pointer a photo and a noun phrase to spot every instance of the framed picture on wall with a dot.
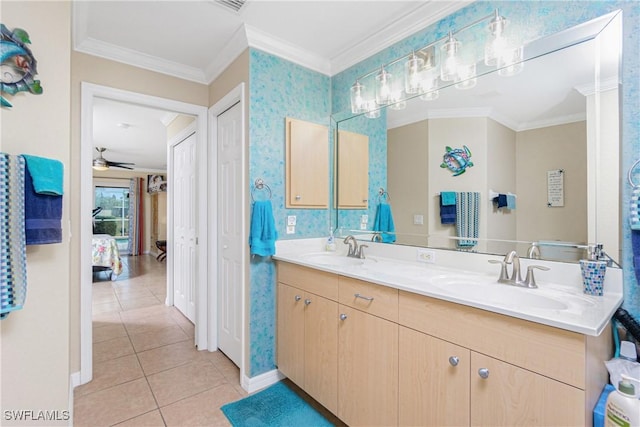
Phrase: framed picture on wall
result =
(156, 183)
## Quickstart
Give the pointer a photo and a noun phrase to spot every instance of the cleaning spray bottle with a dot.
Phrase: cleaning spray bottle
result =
(623, 406)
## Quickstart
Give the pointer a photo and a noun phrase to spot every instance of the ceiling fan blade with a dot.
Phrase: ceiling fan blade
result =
(118, 165)
(110, 163)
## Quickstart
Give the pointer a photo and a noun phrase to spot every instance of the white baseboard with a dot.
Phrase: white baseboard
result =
(261, 381)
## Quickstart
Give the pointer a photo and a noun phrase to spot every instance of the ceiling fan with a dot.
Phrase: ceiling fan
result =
(102, 164)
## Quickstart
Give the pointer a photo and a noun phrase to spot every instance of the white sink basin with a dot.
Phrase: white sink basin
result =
(332, 259)
(499, 294)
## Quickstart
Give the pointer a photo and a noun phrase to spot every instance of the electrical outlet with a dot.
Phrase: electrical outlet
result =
(426, 255)
(364, 219)
(291, 220)
(291, 229)
(363, 226)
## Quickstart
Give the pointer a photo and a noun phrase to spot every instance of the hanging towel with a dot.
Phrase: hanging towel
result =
(502, 200)
(448, 198)
(13, 258)
(43, 215)
(384, 223)
(447, 210)
(263, 233)
(635, 246)
(467, 206)
(47, 174)
(511, 201)
(634, 209)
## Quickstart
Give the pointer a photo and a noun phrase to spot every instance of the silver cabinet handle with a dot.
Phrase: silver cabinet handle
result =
(298, 197)
(307, 301)
(484, 373)
(454, 360)
(343, 316)
(298, 298)
(363, 297)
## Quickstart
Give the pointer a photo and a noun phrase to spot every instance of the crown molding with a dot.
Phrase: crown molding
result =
(605, 85)
(138, 59)
(232, 49)
(285, 50)
(562, 120)
(168, 117)
(418, 19)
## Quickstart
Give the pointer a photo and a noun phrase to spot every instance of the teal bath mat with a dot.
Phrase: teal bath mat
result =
(277, 405)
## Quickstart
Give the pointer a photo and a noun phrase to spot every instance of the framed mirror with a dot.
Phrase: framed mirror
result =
(559, 116)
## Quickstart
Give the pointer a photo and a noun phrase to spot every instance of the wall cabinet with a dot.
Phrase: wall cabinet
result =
(405, 359)
(307, 165)
(353, 170)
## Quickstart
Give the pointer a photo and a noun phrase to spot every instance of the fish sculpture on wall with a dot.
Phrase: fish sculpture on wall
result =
(17, 64)
(457, 160)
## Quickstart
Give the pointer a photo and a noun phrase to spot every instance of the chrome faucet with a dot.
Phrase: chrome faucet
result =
(515, 279)
(353, 246)
(533, 251)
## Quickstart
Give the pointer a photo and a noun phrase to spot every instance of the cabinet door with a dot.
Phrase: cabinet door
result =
(353, 170)
(321, 350)
(290, 333)
(307, 165)
(433, 381)
(367, 369)
(512, 396)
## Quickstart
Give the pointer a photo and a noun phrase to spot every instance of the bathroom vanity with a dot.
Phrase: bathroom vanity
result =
(391, 341)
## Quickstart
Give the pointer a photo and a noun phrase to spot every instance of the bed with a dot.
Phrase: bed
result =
(105, 255)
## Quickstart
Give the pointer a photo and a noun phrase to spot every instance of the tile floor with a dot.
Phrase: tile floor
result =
(146, 370)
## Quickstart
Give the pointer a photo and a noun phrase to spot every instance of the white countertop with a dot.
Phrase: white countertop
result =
(470, 280)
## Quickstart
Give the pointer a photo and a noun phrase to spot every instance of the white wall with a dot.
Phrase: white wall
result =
(35, 340)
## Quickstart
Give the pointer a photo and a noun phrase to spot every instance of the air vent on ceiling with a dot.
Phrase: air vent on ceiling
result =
(236, 5)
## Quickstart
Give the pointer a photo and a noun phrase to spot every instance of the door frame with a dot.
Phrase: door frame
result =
(236, 95)
(90, 91)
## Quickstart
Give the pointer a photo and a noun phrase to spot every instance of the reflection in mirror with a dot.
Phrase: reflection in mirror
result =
(560, 113)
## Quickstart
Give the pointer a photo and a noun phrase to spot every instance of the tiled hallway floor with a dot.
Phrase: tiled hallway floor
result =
(146, 370)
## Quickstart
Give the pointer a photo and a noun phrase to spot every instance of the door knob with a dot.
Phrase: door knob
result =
(307, 301)
(454, 360)
(343, 316)
(484, 373)
(298, 298)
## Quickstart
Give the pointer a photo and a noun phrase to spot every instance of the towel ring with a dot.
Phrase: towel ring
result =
(383, 195)
(630, 174)
(260, 185)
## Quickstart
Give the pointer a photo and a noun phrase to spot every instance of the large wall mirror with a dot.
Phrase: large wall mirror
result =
(558, 116)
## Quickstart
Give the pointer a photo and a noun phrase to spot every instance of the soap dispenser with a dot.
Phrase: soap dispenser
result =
(593, 270)
(331, 243)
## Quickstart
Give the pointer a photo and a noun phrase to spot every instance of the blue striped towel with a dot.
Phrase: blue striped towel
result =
(634, 209)
(467, 207)
(13, 258)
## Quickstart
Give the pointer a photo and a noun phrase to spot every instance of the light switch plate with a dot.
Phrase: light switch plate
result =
(363, 226)
(418, 219)
(291, 229)
(291, 220)
(364, 219)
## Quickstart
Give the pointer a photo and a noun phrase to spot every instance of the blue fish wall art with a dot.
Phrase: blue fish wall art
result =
(17, 64)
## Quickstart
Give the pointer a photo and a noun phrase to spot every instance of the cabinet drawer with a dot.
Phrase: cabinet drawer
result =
(374, 299)
(549, 351)
(315, 281)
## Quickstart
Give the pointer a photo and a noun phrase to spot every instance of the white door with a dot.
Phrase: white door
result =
(230, 223)
(184, 217)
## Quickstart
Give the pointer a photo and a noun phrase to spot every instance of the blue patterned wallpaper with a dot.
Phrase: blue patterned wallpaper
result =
(278, 89)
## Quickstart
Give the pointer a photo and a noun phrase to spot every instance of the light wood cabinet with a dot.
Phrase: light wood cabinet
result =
(307, 330)
(307, 165)
(353, 170)
(367, 369)
(434, 381)
(374, 355)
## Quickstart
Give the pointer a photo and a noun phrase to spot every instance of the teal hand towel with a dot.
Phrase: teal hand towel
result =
(262, 233)
(46, 174)
(448, 198)
(511, 201)
(384, 223)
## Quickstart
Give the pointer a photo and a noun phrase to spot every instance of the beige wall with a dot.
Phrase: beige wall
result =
(178, 124)
(35, 340)
(501, 178)
(455, 133)
(86, 68)
(542, 150)
(407, 180)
